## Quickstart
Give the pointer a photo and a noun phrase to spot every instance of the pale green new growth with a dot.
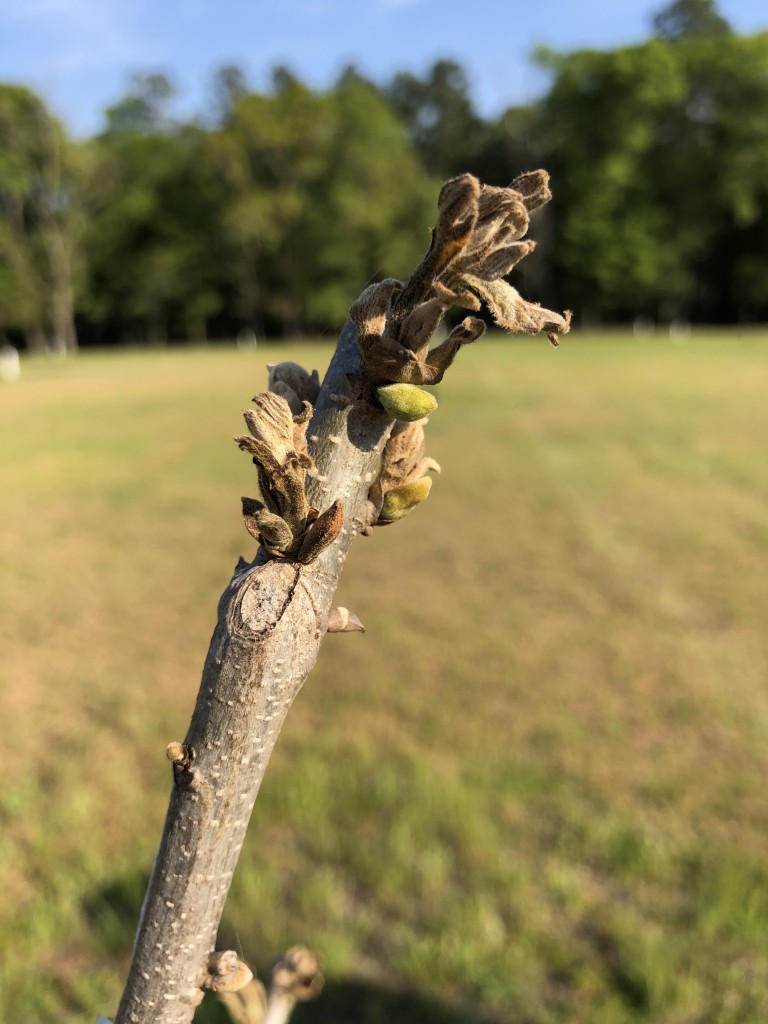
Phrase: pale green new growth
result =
(401, 500)
(406, 402)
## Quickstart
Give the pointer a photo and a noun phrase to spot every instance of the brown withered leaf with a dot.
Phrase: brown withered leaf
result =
(533, 186)
(297, 975)
(511, 311)
(300, 424)
(271, 424)
(286, 391)
(248, 1005)
(499, 262)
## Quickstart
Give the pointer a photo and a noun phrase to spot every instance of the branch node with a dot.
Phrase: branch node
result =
(225, 972)
(182, 756)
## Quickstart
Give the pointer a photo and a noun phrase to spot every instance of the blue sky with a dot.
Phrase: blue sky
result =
(79, 53)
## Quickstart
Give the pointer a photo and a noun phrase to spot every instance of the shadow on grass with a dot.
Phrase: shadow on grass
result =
(359, 1002)
(113, 911)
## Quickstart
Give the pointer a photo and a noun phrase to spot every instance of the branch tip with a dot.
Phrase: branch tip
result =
(225, 972)
(476, 242)
(179, 754)
(297, 976)
(342, 620)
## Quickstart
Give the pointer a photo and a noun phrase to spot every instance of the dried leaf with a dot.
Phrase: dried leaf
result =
(402, 453)
(386, 360)
(271, 424)
(456, 219)
(269, 529)
(511, 311)
(533, 186)
(286, 391)
(441, 357)
(300, 424)
(499, 262)
(420, 324)
(450, 297)
(403, 462)
(275, 436)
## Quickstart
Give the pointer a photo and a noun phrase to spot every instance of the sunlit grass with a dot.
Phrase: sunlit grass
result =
(533, 792)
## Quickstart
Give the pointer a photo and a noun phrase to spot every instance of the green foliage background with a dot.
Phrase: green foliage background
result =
(272, 211)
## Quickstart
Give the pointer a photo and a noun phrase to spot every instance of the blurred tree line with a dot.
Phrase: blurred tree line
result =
(272, 211)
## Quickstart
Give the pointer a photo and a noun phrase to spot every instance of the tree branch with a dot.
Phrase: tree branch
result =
(271, 621)
(363, 464)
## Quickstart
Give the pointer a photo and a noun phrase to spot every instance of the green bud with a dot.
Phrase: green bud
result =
(400, 500)
(406, 401)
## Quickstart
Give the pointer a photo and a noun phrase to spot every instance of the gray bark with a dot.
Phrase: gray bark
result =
(272, 618)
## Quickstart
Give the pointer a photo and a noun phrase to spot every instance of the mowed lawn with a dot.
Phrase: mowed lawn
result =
(534, 792)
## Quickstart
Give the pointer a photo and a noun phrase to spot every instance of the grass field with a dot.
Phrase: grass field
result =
(533, 793)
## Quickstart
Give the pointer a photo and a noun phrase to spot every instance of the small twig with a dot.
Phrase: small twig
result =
(342, 620)
(225, 972)
(248, 1005)
(296, 978)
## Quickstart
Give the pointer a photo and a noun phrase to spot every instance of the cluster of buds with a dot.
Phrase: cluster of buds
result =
(402, 483)
(476, 242)
(283, 522)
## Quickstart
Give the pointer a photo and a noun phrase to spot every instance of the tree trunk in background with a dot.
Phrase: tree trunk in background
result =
(62, 297)
(37, 342)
